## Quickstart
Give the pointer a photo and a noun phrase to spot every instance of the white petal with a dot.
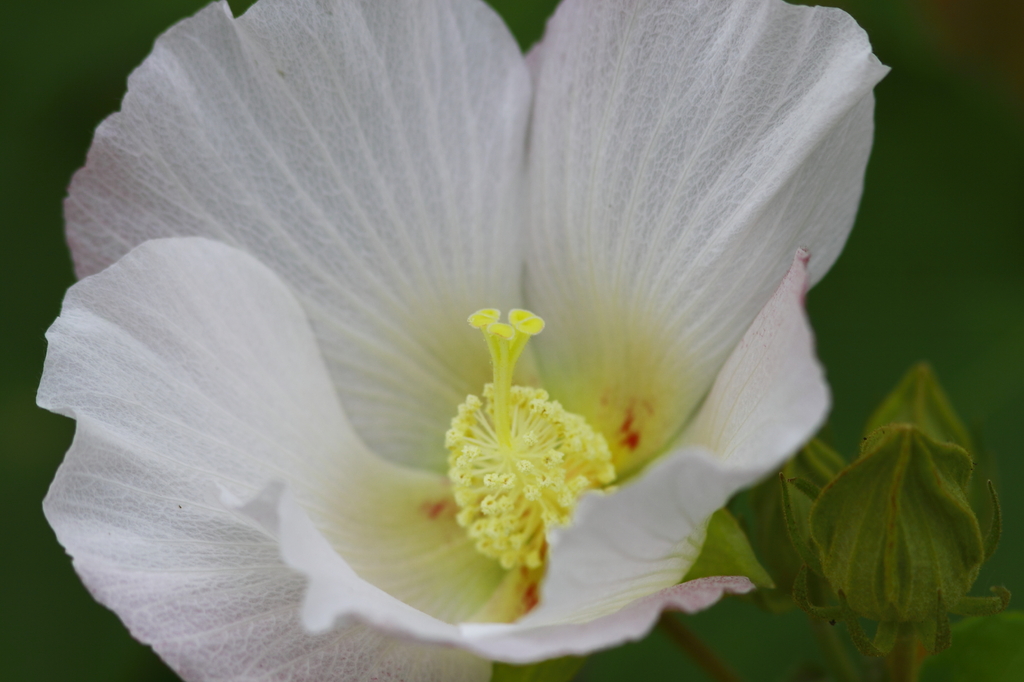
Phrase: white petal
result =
(188, 365)
(771, 395)
(370, 152)
(680, 152)
(522, 643)
(767, 401)
(612, 572)
(337, 597)
(336, 594)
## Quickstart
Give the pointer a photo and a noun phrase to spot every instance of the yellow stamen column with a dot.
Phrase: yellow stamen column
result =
(519, 462)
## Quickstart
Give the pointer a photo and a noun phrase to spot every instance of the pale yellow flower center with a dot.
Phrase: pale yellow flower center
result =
(519, 461)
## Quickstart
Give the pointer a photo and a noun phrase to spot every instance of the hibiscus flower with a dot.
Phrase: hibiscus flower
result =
(277, 473)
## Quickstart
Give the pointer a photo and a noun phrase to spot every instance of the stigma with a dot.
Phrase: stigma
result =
(518, 461)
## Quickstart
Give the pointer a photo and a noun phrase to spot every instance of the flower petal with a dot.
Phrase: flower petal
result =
(337, 597)
(188, 365)
(768, 400)
(616, 568)
(528, 643)
(771, 396)
(369, 152)
(680, 152)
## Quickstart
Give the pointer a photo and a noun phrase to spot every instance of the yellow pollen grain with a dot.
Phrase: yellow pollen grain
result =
(518, 461)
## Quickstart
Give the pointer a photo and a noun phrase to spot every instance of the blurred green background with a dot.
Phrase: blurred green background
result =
(934, 270)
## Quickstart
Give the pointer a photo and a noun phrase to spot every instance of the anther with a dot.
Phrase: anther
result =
(484, 317)
(526, 322)
(500, 329)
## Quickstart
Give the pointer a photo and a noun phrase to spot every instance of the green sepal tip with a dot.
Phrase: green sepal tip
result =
(983, 606)
(995, 529)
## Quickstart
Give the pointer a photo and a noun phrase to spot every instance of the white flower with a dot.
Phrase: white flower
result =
(257, 481)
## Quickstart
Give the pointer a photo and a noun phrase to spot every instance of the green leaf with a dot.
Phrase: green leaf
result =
(987, 649)
(919, 400)
(555, 670)
(727, 551)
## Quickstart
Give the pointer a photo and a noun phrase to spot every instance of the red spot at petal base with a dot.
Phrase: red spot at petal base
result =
(630, 436)
(435, 509)
(627, 423)
(530, 597)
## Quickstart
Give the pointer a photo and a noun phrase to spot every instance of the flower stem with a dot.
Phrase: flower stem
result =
(837, 658)
(903, 662)
(701, 653)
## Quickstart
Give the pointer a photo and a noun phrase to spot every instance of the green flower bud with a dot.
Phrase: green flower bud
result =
(893, 534)
(894, 530)
(897, 541)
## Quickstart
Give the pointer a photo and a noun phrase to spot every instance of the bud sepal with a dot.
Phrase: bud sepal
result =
(817, 464)
(894, 537)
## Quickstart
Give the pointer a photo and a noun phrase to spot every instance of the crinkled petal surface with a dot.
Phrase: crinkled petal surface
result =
(369, 151)
(767, 401)
(194, 376)
(680, 152)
